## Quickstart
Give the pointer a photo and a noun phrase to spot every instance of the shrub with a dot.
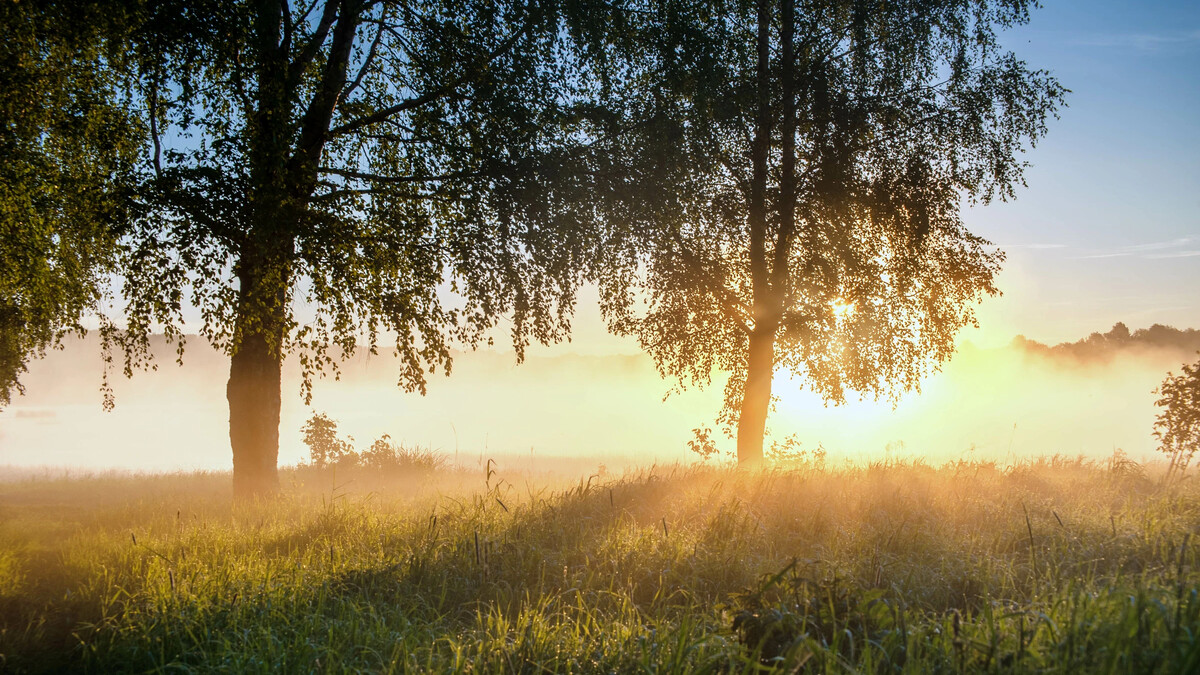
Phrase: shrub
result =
(384, 455)
(703, 445)
(790, 454)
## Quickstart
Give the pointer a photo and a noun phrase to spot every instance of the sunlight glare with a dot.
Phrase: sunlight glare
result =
(842, 309)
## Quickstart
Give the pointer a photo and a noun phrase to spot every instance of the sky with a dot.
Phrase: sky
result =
(1107, 230)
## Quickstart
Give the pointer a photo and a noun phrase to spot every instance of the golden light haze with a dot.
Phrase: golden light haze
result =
(999, 403)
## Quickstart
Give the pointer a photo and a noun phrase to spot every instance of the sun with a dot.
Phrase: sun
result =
(842, 309)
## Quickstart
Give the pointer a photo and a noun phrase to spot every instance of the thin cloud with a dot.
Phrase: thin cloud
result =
(1035, 247)
(1154, 250)
(1176, 254)
(1158, 311)
(1160, 245)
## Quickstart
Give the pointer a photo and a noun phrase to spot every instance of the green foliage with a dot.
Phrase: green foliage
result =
(907, 568)
(69, 142)
(765, 170)
(324, 446)
(358, 159)
(1177, 426)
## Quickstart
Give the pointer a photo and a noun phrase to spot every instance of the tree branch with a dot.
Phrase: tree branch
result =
(376, 178)
(362, 71)
(287, 27)
(333, 195)
(313, 46)
(314, 126)
(429, 97)
(787, 181)
(727, 299)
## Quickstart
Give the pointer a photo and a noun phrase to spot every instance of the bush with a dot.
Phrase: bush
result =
(789, 454)
(326, 449)
(384, 455)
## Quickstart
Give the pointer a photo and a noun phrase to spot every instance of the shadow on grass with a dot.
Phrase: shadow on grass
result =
(674, 570)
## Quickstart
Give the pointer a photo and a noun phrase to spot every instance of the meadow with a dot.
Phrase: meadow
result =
(1055, 565)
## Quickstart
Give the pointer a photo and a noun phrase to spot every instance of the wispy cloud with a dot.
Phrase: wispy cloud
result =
(1141, 41)
(1034, 247)
(1176, 254)
(1160, 245)
(1158, 310)
(1180, 247)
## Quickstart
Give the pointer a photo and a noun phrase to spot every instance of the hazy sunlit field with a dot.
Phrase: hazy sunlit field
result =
(626, 336)
(1055, 565)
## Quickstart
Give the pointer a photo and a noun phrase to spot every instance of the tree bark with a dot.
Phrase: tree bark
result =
(760, 361)
(756, 397)
(253, 392)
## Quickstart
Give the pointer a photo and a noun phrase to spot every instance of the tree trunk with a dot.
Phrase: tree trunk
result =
(756, 398)
(254, 394)
(282, 180)
(760, 361)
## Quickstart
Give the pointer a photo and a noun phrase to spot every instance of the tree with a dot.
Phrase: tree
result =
(68, 151)
(387, 164)
(324, 446)
(785, 180)
(1177, 426)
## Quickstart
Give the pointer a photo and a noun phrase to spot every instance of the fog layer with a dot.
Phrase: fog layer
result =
(1018, 401)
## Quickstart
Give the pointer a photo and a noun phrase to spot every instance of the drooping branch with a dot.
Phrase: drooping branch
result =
(730, 305)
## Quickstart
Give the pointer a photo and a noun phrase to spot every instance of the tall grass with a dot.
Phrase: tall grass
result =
(1054, 565)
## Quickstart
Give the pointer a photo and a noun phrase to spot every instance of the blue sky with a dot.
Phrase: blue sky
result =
(1109, 228)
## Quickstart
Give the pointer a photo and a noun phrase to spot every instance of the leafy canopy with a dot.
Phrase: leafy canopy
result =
(68, 151)
(426, 211)
(899, 112)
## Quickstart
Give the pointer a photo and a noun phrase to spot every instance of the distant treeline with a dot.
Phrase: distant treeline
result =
(1101, 346)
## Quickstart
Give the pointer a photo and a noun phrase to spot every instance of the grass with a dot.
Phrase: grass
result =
(1055, 565)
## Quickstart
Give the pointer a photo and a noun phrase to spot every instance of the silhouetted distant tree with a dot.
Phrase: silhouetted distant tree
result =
(367, 160)
(1119, 333)
(1104, 346)
(786, 184)
(68, 153)
(1178, 424)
